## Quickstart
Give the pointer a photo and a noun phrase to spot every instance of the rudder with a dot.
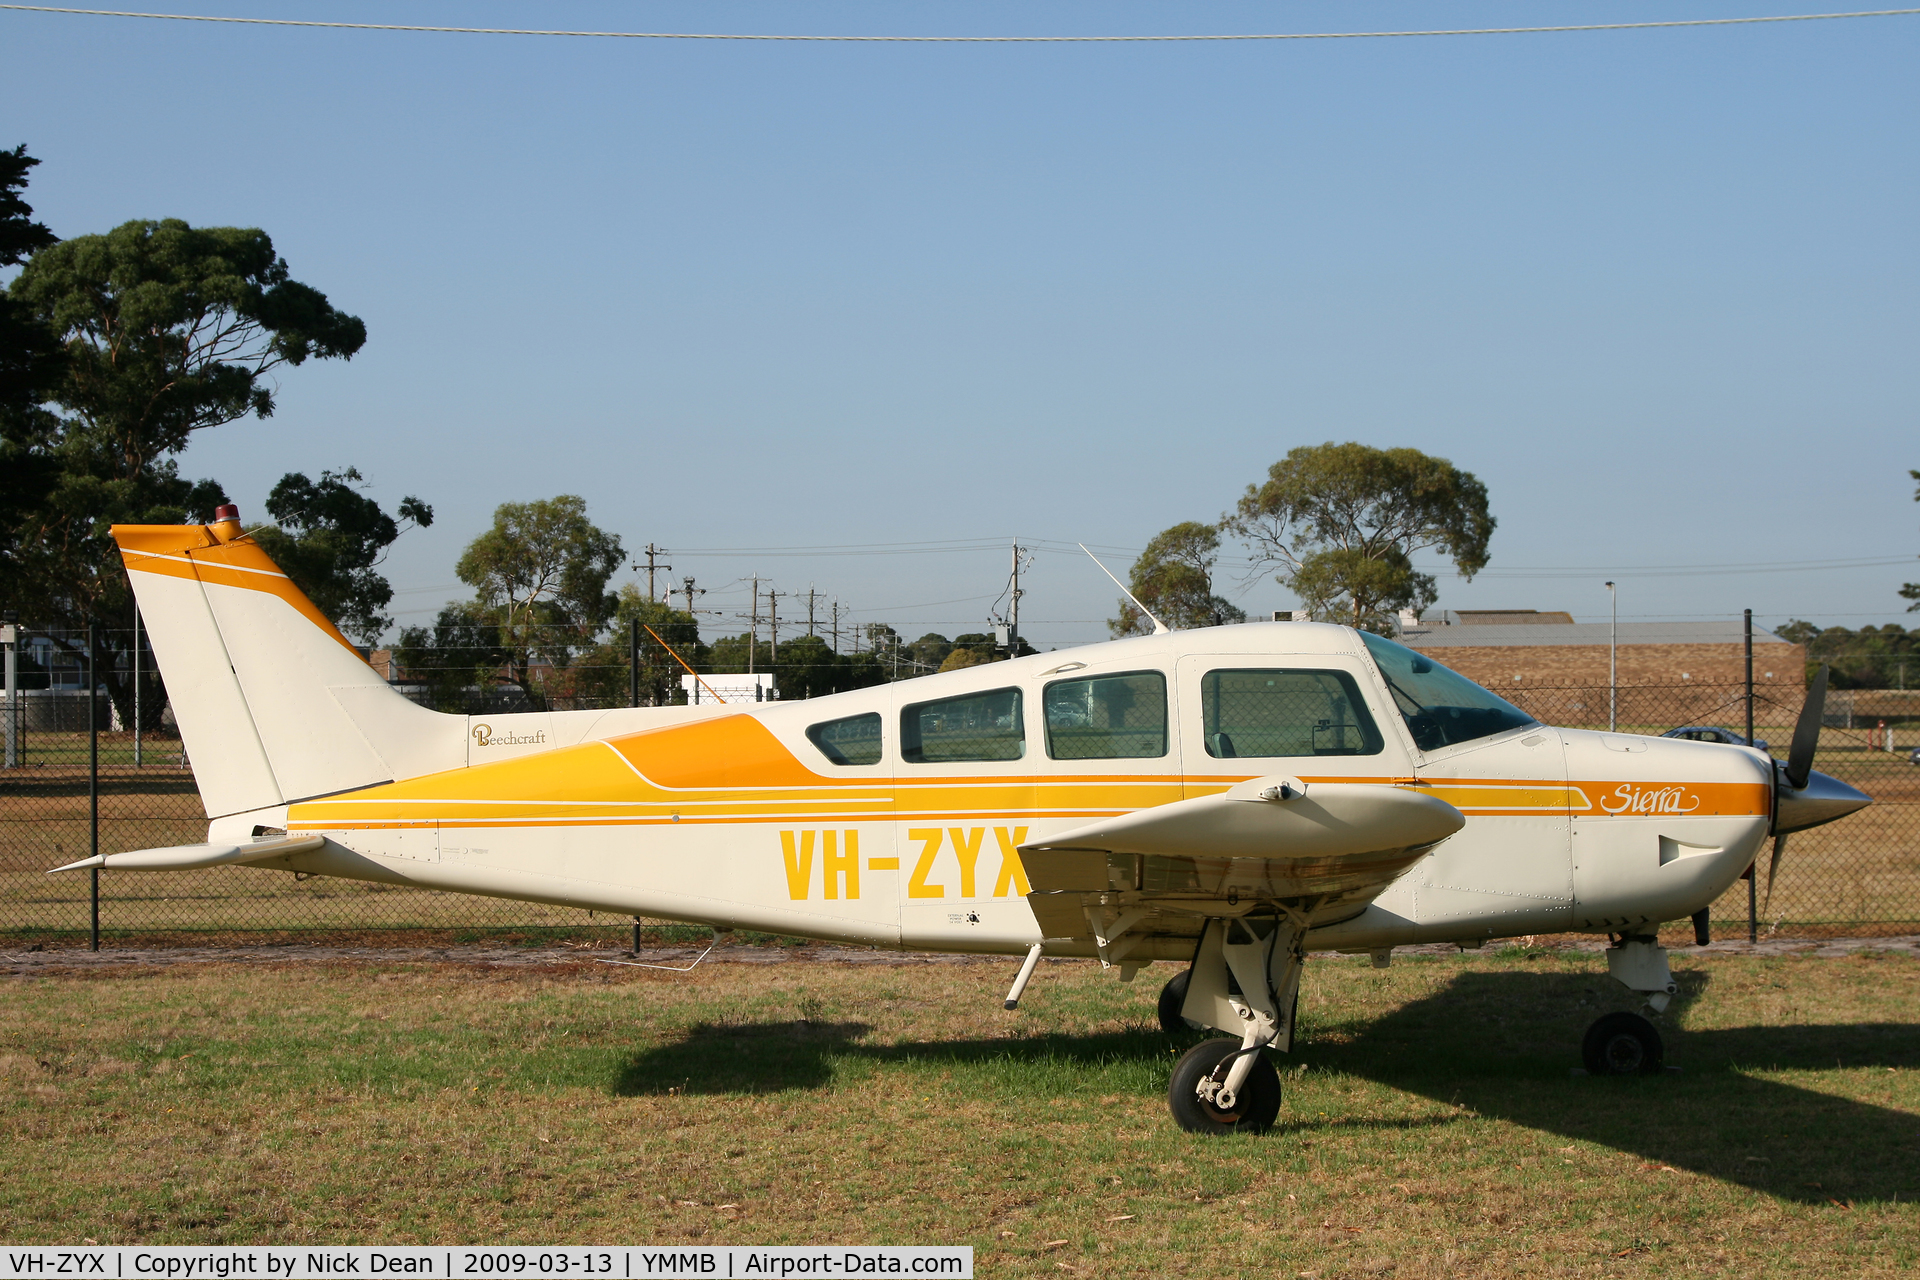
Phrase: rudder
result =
(262, 683)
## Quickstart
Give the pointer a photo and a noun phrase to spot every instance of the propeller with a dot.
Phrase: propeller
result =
(1799, 767)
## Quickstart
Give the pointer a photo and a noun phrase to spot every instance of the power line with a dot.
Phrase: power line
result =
(1165, 39)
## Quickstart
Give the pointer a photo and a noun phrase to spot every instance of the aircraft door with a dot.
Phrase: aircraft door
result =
(1311, 716)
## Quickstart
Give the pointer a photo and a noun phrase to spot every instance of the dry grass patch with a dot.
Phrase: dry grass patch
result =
(1431, 1126)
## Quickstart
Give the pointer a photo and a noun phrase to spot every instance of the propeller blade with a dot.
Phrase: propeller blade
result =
(1806, 733)
(1773, 870)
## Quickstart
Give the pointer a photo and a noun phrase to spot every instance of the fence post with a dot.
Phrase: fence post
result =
(633, 662)
(11, 635)
(136, 687)
(1753, 872)
(93, 776)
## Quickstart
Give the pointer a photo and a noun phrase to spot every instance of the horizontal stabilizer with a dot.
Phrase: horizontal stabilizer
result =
(192, 857)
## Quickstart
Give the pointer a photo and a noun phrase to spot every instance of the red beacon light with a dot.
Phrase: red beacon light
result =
(226, 522)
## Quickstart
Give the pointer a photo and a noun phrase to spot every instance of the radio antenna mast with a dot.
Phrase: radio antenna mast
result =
(1159, 628)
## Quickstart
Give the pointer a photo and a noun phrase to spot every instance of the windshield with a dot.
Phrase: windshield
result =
(1441, 707)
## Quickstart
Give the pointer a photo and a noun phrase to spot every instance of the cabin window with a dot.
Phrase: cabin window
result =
(1285, 713)
(1113, 717)
(854, 740)
(979, 726)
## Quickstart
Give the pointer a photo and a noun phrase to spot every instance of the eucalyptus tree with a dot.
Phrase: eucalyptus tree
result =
(164, 330)
(1173, 579)
(1342, 523)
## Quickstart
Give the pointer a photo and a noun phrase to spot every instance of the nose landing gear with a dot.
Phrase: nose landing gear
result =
(1626, 1044)
(1622, 1044)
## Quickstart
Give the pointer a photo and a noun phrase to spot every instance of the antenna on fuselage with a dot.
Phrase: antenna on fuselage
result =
(1159, 628)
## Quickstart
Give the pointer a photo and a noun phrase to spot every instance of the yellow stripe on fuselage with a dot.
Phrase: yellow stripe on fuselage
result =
(733, 770)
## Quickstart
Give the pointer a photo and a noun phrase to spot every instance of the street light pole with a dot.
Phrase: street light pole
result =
(1613, 652)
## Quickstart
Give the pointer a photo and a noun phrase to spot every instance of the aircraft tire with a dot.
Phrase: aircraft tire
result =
(1258, 1105)
(1622, 1044)
(1173, 998)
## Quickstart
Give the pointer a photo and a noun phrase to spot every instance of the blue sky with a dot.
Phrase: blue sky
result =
(1656, 288)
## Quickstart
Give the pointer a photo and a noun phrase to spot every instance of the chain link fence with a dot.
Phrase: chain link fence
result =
(1859, 875)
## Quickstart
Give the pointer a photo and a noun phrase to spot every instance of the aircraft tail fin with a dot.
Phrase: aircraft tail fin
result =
(274, 704)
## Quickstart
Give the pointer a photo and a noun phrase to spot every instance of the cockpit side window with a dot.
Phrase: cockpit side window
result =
(1441, 707)
(1273, 712)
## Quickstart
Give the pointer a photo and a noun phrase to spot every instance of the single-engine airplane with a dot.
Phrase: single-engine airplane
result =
(1225, 799)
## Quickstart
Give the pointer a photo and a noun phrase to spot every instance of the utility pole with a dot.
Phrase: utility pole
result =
(633, 656)
(812, 595)
(773, 627)
(836, 626)
(753, 625)
(1013, 613)
(691, 593)
(1613, 649)
(653, 553)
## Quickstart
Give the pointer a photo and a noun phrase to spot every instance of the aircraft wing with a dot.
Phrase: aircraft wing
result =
(1329, 848)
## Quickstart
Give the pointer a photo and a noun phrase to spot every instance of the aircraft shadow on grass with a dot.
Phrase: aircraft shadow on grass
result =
(1499, 1044)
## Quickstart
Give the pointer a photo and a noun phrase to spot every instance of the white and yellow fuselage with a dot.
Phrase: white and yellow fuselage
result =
(736, 816)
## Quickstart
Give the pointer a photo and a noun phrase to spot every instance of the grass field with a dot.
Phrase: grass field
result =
(1430, 1128)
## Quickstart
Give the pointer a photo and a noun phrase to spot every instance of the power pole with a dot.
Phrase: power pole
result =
(753, 626)
(836, 626)
(690, 593)
(773, 626)
(811, 596)
(1013, 615)
(653, 553)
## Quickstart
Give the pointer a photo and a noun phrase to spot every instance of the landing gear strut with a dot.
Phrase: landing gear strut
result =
(1245, 977)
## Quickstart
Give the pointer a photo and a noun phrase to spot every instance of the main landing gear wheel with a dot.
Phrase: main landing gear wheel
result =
(1173, 998)
(1254, 1111)
(1622, 1044)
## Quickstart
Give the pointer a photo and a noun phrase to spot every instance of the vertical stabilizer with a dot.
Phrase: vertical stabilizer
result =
(274, 704)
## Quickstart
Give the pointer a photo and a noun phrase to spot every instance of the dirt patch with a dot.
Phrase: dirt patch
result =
(20, 963)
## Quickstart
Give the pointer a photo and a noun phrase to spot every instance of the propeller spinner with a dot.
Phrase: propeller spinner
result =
(1803, 798)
